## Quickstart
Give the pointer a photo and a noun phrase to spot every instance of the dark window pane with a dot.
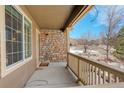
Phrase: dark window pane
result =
(20, 17)
(8, 19)
(8, 8)
(26, 54)
(20, 46)
(19, 26)
(28, 38)
(29, 54)
(15, 47)
(8, 34)
(14, 12)
(25, 38)
(20, 56)
(15, 58)
(29, 46)
(28, 30)
(17, 54)
(25, 47)
(19, 37)
(14, 35)
(25, 32)
(8, 47)
(8, 59)
(14, 23)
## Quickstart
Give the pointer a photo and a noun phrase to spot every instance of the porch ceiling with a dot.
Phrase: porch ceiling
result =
(50, 17)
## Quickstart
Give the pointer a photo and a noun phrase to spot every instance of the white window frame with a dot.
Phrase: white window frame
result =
(24, 36)
(5, 70)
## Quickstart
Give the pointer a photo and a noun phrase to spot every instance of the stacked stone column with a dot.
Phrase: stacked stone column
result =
(53, 46)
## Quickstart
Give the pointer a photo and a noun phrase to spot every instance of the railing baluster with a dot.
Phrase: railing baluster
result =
(109, 77)
(104, 77)
(92, 74)
(83, 71)
(89, 74)
(78, 70)
(86, 73)
(95, 75)
(116, 79)
(99, 76)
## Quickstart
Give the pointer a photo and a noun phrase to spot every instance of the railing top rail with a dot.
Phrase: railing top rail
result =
(101, 65)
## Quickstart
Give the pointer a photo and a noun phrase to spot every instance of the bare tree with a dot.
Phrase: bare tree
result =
(113, 18)
(85, 45)
(85, 40)
(102, 38)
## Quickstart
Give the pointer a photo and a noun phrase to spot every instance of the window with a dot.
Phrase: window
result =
(27, 34)
(14, 33)
(16, 36)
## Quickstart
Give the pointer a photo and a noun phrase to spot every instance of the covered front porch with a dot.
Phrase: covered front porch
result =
(65, 69)
(77, 72)
(49, 43)
(55, 75)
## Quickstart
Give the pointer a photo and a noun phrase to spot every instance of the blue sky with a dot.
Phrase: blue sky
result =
(91, 22)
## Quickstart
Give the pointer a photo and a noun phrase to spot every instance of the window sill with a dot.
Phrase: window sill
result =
(14, 67)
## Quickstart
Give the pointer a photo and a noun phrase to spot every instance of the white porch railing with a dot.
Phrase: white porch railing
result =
(90, 72)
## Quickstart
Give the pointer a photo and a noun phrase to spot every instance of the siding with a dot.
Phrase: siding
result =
(18, 77)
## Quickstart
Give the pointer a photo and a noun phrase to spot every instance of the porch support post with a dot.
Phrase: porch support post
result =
(67, 43)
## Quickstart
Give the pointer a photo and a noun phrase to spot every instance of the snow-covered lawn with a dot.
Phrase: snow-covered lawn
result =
(76, 51)
(120, 65)
(98, 56)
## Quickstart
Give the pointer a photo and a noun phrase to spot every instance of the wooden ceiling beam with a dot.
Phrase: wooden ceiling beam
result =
(77, 13)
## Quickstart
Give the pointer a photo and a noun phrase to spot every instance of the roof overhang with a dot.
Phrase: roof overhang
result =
(57, 17)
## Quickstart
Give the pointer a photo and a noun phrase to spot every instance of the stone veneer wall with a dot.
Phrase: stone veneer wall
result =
(53, 46)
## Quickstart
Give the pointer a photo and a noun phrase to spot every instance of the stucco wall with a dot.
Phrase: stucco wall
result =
(18, 77)
(53, 46)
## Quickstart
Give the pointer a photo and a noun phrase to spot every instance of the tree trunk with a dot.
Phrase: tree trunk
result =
(85, 49)
(107, 51)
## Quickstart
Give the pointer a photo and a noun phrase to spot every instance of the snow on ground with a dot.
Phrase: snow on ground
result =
(76, 51)
(117, 65)
(96, 55)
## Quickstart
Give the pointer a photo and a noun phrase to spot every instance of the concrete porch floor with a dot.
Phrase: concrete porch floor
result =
(53, 76)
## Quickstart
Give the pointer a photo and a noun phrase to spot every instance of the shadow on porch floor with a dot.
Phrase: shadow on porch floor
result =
(55, 75)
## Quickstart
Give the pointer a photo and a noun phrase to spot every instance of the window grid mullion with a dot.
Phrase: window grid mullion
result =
(15, 55)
